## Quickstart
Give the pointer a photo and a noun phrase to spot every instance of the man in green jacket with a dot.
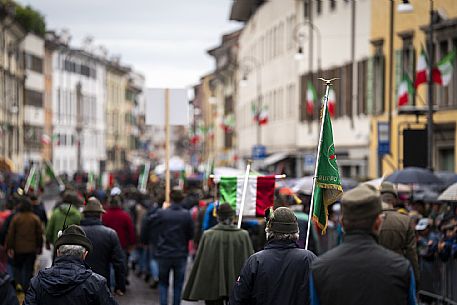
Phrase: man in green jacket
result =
(397, 231)
(221, 254)
(57, 219)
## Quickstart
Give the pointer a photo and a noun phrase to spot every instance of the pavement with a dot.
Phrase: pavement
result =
(139, 293)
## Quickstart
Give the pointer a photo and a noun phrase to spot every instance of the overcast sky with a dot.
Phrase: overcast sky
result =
(165, 40)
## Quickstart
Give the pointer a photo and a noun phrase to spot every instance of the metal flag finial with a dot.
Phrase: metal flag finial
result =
(328, 81)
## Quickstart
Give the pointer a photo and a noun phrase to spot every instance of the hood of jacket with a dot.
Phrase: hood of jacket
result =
(64, 208)
(67, 273)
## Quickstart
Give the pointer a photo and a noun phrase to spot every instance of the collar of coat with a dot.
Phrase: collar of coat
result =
(281, 244)
(357, 235)
(91, 221)
(224, 227)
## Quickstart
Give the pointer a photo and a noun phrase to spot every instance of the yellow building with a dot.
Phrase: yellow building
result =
(117, 142)
(408, 136)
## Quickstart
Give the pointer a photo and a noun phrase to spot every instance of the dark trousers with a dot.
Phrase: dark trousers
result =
(178, 265)
(23, 264)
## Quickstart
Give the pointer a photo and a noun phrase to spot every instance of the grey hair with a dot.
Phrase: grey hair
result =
(281, 236)
(71, 250)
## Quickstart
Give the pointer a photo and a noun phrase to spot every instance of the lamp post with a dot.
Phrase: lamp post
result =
(248, 64)
(404, 7)
(300, 37)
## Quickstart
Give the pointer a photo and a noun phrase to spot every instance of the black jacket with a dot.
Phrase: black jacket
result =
(106, 250)
(71, 282)
(274, 276)
(7, 291)
(174, 228)
(360, 272)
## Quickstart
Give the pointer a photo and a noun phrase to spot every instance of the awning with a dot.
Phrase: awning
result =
(275, 158)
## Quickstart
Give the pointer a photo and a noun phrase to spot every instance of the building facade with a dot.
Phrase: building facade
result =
(116, 112)
(224, 87)
(12, 79)
(408, 135)
(34, 52)
(78, 104)
(276, 82)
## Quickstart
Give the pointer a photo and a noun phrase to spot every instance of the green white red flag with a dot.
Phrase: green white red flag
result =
(327, 188)
(405, 91)
(311, 98)
(442, 73)
(259, 195)
(421, 69)
(144, 178)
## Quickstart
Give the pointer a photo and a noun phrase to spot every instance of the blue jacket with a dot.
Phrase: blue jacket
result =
(174, 229)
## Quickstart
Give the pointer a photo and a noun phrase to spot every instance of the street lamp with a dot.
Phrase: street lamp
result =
(247, 65)
(300, 37)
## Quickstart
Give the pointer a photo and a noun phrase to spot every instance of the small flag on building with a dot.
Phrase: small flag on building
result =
(45, 139)
(259, 196)
(260, 114)
(405, 91)
(311, 97)
(442, 74)
(421, 69)
(327, 187)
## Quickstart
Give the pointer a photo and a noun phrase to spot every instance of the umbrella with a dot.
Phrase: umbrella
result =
(448, 178)
(305, 184)
(450, 194)
(377, 184)
(414, 175)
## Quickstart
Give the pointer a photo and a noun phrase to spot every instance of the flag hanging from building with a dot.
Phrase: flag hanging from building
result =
(331, 102)
(228, 124)
(259, 194)
(45, 139)
(260, 114)
(405, 91)
(327, 187)
(421, 69)
(311, 97)
(442, 73)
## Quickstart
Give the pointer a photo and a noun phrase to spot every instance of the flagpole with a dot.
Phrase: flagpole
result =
(324, 113)
(243, 195)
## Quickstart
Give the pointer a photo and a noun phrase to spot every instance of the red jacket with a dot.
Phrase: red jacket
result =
(120, 221)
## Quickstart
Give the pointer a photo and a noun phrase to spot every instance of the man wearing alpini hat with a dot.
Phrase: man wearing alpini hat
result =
(278, 274)
(222, 252)
(107, 248)
(69, 281)
(397, 230)
(360, 271)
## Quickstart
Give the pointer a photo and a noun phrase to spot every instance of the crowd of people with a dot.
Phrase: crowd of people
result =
(98, 237)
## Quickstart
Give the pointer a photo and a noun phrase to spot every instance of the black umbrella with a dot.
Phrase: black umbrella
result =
(448, 178)
(414, 175)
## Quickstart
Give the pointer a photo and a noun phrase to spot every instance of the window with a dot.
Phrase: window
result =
(69, 66)
(332, 5)
(33, 98)
(375, 75)
(319, 6)
(33, 63)
(307, 8)
(85, 70)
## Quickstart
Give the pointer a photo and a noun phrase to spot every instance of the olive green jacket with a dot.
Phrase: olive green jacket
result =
(397, 234)
(221, 253)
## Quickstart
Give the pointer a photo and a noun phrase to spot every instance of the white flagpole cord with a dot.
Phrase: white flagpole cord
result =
(324, 113)
(243, 196)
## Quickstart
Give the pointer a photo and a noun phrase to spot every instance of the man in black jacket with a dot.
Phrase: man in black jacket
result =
(360, 271)
(106, 246)
(7, 291)
(174, 229)
(278, 274)
(69, 281)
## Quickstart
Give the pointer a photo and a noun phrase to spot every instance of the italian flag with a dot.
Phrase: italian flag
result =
(259, 194)
(421, 69)
(144, 178)
(91, 184)
(405, 91)
(263, 116)
(311, 97)
(327, 188)
(32, 179)
(442, 74)
(331, 102)
(45, 139)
